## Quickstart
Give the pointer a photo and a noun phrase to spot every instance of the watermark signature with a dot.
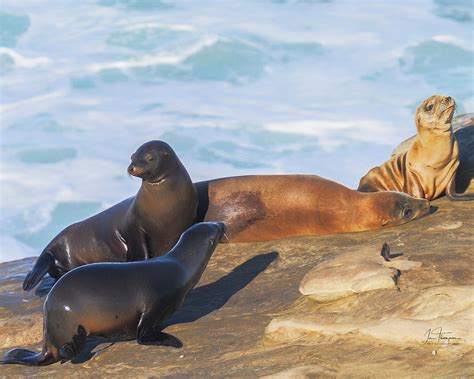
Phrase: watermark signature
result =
(440, 337)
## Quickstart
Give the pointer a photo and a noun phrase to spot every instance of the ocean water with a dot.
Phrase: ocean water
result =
(236, 87)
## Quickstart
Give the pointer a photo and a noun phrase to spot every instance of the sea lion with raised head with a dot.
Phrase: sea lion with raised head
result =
(462, 187)
(428, 168)
(141, 227)
(270, 207)
(121, 300)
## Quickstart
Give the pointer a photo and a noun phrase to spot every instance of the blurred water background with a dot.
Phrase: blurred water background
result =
(236, 87)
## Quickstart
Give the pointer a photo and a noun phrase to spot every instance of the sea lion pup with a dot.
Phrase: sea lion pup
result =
(121, 300)
(429, 166)
(463, 129)
(270, 207)
(140, 227)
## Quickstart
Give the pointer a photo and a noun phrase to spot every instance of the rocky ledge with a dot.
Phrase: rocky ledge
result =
(361, 314)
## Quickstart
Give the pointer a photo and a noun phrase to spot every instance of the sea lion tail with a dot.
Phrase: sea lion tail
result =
(452, 195)
(27, 358)
(41, 267)
(71, 349)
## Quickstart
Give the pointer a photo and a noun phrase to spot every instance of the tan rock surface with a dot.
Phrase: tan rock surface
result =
(246, 286)
(354, 272)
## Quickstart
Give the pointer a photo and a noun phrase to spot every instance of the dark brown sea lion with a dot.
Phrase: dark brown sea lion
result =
(141, 227)
(270, 207)
(121, 300)
(463, 186)
(427, 169)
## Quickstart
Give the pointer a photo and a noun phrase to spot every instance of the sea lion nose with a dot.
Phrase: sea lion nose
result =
(131, 169)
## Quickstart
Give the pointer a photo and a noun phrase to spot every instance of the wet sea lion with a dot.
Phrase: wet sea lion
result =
(270, 207)
(121, 300)
(463, 128)
(140, 227)
(428, 168)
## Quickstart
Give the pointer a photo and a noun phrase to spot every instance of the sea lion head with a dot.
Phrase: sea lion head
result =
(399, 208)
(204, 234)
(195, 247)
(152, 161)
(435, 113)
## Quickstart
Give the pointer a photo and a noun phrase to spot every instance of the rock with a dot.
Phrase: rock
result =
(303, 372)
(441, 314)
(248, 287)
(354, 272)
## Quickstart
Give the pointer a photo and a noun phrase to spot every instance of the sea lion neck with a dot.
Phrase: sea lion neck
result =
(173, 171)
(154, 184)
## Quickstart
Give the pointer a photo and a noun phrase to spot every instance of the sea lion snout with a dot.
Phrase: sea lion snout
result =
(134, 170)
(448, 108)
(424, 209)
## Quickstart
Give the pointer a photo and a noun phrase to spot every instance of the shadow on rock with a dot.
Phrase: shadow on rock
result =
(210, 297)
(91, 343)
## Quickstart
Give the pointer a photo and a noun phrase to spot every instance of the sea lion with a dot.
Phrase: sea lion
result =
(427, 169)
(463, 129)
(140, 227)
(270, 207)
(121, 300)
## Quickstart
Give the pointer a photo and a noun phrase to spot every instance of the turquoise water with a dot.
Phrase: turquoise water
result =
(236, 87)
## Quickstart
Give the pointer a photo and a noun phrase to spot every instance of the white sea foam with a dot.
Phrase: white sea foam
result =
(157, 59)
(35, 103)
(446, 38)
(332, 134)
(23, 61)
(155, 25)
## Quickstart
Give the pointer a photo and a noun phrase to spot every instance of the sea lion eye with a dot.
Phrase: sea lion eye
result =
(150, 158)
(429, 107)
(407, 213)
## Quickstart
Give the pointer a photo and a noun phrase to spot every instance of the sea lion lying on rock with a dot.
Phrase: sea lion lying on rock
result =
(121, 300)
(428, 168)
(270, 207)
(140, 227)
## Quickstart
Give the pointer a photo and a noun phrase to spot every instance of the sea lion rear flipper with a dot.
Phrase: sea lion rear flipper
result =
(452, 195)
(26, 357)
(73, 348)
(159, 339)
(41, 267)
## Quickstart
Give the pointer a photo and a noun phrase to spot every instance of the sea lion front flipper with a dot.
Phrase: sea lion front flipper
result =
(137, 247)
(148, 334)
(452, 195)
